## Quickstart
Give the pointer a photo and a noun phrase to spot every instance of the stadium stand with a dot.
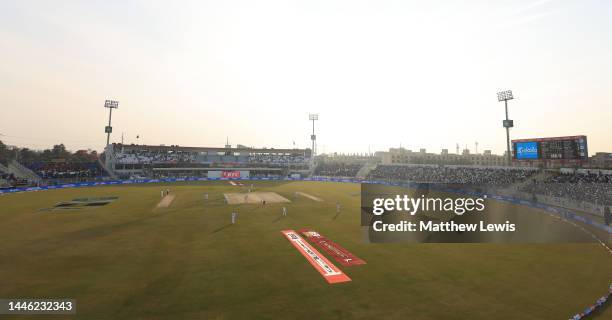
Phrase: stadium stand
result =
(337, 169)
(8, 180)
(22, 173)
(176, 161)
(66, 170)
(587, 187)
(585, 192)
(3, 168)
(452, 174)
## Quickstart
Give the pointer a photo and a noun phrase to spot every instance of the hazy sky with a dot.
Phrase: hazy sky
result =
(379, 73)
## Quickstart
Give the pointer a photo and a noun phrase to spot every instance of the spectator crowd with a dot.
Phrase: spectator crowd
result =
(8, 180)
(337, 169)
(587, 187)
(171, 158)
(66, 170)
(451, 175)
(143, 157)
(277, 159)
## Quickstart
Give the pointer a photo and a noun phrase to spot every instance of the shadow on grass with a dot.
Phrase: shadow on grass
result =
(221, 228)
(336, 216)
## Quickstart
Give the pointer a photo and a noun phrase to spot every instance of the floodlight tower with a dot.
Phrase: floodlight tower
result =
(505, 96)
(110, 104)
(313, 117)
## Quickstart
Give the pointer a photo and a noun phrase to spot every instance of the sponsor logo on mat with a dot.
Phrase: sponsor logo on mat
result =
(329, 271)
(341, 255)
(230, 174)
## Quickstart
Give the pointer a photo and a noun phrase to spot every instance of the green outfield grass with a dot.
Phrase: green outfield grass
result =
(129, 260)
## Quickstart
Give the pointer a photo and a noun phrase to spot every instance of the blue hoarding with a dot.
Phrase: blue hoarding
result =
(527, 150)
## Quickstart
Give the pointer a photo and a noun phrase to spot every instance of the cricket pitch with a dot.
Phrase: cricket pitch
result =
(165, 201)
(311, 197)
(254, 197)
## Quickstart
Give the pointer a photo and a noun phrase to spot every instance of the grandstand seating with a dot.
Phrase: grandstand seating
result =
(22, 172)
(143, 157)
(587, 187)
(138, 159)
(337, 169)
(66, 170)
(8, 180)
(452, 174)
(3, 169)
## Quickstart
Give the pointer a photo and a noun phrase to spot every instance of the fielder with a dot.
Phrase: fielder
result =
(284, 211)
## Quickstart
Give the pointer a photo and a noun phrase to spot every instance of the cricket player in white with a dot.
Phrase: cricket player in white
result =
(234, 217)
(337, 207)
(285, 211)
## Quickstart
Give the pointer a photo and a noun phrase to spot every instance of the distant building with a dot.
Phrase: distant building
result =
(400, 156)
(350, 157)
(601, 160)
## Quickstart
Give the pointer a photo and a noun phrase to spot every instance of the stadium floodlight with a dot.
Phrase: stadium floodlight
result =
(505, 96)
(313, 117)
(110, 104)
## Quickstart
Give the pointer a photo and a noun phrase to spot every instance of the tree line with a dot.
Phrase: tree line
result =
(57, 153)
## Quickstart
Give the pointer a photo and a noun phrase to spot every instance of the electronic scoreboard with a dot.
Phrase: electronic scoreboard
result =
(556, 148)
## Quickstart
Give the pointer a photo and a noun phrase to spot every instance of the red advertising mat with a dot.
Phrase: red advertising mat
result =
(343, 256)
(328, 270)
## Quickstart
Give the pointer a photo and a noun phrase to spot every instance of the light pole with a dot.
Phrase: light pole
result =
(110, 104)
(505, 96)
(313, 117)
